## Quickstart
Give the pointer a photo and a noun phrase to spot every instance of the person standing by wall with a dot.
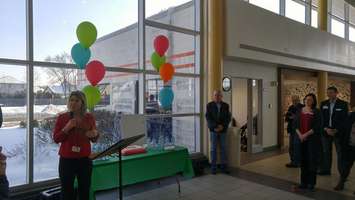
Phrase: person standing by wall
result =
(334, 113)
(74, 130)
(218, 118)
(348, 151)
(294, 142)
(308, 124)
(4, 183)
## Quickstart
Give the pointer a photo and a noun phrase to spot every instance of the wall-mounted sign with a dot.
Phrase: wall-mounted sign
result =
(226, 84)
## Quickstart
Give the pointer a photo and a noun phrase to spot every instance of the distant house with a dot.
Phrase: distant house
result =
(10, 86)
(57, 90)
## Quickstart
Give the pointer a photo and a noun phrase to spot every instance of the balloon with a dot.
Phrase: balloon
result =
(166, 97)
(95, 72)
(92, 95)
(157, 61)
(161, 44)
(166, 72)
(86, 33)
(80, 55)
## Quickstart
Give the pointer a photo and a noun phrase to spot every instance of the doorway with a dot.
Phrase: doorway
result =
(247, 114)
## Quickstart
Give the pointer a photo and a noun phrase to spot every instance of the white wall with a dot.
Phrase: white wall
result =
(258, 34)
(267, 73)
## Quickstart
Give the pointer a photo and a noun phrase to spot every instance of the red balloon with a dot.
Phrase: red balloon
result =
(161, 44)
(166, 72)
(95, 72)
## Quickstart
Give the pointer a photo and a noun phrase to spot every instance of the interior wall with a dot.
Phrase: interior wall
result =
(240, 95)
(268, 74)
(301, 83)
(257, 34)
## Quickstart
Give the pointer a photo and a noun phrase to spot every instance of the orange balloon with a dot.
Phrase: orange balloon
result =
(166, 72)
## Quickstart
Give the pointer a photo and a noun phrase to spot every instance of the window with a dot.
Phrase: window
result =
(338, 8)
(271, 5)
(122, 90)
(338, 27)
(13, 132)
(295, 11)
(181, 52)
(352, 15)
(116, 22)
(13, 34)
(352, 33)
(314, 19)
(185, 90)
(178, 12)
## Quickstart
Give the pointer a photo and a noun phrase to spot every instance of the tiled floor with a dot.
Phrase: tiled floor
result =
(213, 187)
(275, 167)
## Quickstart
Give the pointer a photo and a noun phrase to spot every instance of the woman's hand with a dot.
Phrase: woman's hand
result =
(70, 124)
(91, 134)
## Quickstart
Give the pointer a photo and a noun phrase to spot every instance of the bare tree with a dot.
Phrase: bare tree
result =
(66, 77)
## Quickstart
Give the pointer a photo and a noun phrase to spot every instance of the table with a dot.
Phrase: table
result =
(139, 168)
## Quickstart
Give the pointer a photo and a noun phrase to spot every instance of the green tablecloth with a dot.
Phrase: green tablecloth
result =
(142, 167)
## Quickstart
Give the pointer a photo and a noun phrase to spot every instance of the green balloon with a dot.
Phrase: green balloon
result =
(157, 61)
(92, 95)
(86, 33)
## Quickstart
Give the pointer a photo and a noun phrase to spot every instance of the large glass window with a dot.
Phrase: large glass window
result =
(181, 52)
(13, 29)
(13, 131)
(295, 11)
(314, 19)
(272, 5)
(338, 27)
(172, 12)
(338, 8)
(122, 89)
(352, 33)
(352, 15)
(55, 23)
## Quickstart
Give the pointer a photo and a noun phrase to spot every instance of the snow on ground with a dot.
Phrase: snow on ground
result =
(48, 109)
(13, 139)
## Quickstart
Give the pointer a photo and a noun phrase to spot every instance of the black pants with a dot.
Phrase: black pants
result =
(327, 152)
(308, 164)
(69, 169)
(294, 148)
(348, 162)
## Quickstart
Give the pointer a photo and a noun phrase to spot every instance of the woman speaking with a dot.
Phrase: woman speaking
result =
(74, 130)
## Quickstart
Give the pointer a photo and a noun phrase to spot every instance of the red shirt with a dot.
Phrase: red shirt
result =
(306, 120)
(75, 137)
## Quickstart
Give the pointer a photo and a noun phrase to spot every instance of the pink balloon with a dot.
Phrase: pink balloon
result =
(95, 72)
(161, 44)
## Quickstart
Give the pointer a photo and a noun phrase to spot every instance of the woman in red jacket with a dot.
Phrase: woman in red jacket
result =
(74, 130)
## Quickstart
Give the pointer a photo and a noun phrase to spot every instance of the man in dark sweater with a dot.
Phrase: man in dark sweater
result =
(294, 141)
(218, 118)
(4, 184)
(348, 150)
(334, 115)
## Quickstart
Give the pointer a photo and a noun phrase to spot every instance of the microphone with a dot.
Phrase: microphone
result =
(71, 113)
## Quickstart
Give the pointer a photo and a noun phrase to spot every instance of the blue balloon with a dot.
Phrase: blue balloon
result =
(80, 55)
(166, 97)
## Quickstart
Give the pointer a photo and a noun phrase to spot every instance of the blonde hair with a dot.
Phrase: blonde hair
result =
(80, 95)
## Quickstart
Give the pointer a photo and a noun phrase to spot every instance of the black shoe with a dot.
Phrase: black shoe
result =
(291, 165)
(213, 171)
(324, 173)
(225, 171)
(302, 187)
(340, 186)
(311, 188)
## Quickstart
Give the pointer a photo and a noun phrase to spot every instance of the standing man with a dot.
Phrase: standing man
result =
(334, 113)
(294, 141)
(218, 118)
(4, 183)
